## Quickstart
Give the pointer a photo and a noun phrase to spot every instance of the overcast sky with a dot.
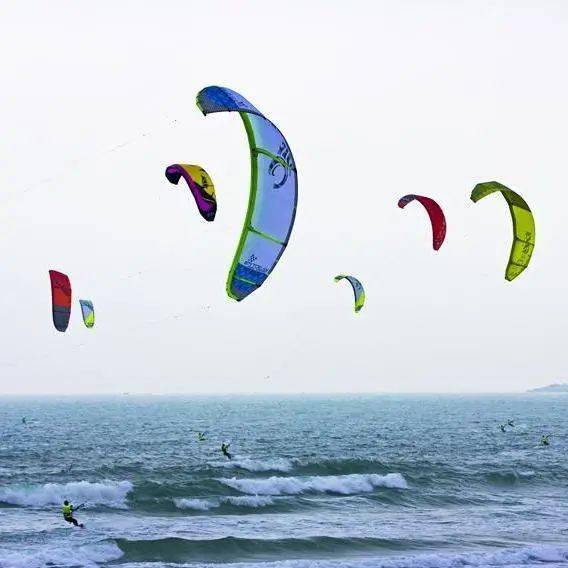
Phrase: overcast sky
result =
(377, 99)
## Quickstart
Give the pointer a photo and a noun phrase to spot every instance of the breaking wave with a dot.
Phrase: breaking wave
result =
(195, 504)
(109, 493)
(341, 484)
(252, 501)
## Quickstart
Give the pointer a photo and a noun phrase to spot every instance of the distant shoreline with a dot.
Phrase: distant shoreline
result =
(555, 388)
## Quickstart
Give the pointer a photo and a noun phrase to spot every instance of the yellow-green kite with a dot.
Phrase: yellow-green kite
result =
(523, 225)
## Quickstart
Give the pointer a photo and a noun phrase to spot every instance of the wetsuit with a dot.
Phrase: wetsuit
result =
(225, 450)
(67, 511)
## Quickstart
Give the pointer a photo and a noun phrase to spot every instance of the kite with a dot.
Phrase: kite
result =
(523, 225)
(358, 290)
(88, 312)
(435, 213)
(273, 193)
(199, 183)
(60, 299)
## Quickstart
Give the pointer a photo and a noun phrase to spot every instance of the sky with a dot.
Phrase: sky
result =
(377, 99)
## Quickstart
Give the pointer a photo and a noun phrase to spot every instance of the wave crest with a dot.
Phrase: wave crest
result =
(109, 493)
(341, 484)
(252, 501)
(194, 504)
(249, 501)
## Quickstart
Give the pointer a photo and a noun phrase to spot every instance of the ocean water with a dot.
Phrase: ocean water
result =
(315, 481)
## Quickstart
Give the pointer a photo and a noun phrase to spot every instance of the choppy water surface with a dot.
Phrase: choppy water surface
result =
(358, 481)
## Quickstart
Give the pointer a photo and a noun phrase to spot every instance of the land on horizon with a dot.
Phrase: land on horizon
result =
(553, 387)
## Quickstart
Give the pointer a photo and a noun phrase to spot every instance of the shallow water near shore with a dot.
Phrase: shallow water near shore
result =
(315, 481)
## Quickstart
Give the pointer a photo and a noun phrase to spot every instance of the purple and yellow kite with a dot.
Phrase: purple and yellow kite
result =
(199, 183)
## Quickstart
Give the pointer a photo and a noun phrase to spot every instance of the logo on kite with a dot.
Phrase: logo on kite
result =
(250, 263)
(285, 163)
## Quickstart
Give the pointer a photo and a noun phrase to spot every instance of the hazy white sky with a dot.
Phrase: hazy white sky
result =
(377, 99)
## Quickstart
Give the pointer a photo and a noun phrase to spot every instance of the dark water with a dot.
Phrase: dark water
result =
(362, 481)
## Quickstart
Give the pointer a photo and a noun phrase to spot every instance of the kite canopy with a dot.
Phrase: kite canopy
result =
(273, 193)
(200, 185)
(88, 312)
(60, 299)
(435, 213)
(358, 290)
(523, 225)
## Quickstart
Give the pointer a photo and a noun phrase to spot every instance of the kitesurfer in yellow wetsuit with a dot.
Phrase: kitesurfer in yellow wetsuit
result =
(225, 450)
(67, 511)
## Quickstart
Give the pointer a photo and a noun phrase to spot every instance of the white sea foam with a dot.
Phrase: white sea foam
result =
(252, 501)
(342, 484)
(89, 556)
(110, 493)
(195, 504)
(524, 557)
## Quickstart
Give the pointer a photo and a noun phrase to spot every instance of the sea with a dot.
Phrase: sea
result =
(338, 481)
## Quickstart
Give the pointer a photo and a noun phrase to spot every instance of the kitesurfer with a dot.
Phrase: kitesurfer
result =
(24, 420)
(67, 511)
(225, 450)
(545, 440)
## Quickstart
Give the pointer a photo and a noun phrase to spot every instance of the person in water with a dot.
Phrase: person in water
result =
(67, 511)
(511, 422)
(225, 450)
(502, 426)
(545, 440)
(201, 436)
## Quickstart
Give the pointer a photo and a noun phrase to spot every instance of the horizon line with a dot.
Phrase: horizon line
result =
(260, 393)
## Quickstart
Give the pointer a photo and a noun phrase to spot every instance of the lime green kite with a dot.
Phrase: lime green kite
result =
(523, 225)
